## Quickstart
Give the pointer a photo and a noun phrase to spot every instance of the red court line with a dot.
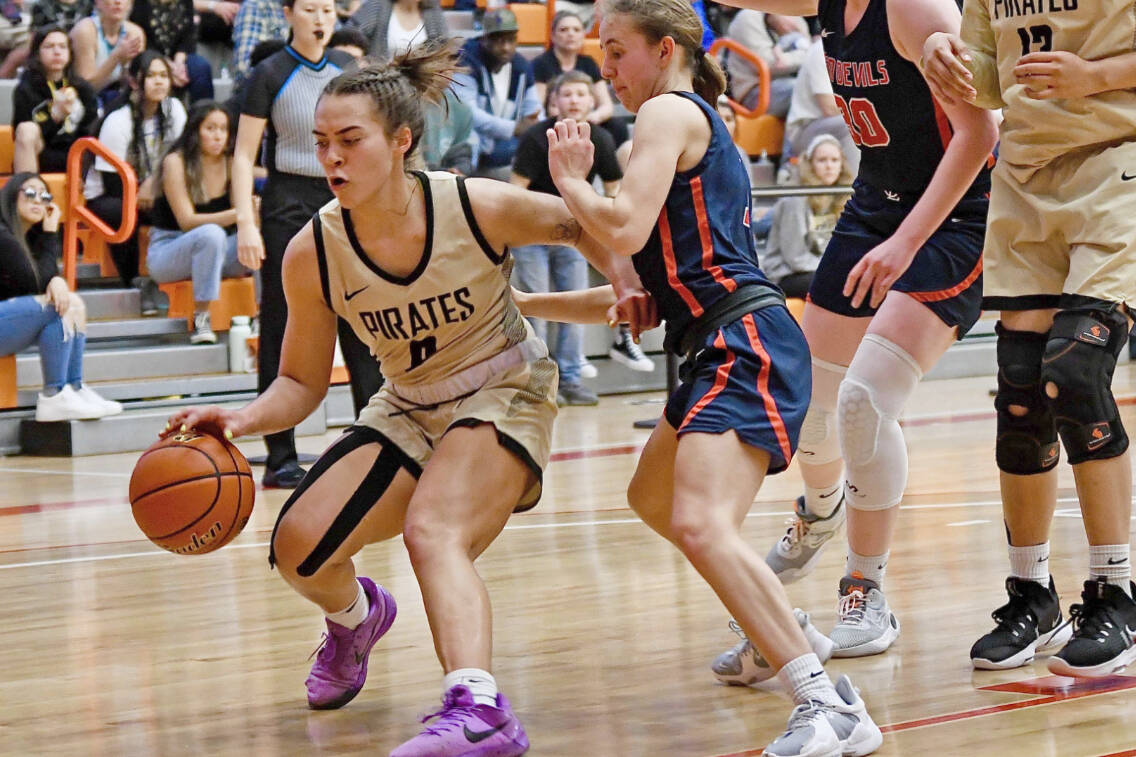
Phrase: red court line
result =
(1074, 690)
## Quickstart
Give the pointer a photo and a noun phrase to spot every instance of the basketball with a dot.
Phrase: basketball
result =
(191, 493)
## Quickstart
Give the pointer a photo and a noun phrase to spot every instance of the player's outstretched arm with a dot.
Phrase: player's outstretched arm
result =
(594, 305)
(305, 362)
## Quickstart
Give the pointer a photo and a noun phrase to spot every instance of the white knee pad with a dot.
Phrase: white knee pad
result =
(878, 383)
(819, 441)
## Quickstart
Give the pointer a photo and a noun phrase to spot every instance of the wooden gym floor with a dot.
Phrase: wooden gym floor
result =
(603, 634)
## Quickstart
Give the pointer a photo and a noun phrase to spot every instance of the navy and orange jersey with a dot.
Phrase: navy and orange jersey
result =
(701, 248)
(900, 128)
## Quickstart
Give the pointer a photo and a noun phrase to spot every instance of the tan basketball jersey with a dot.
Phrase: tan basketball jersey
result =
(1036, 131)
(453, 311)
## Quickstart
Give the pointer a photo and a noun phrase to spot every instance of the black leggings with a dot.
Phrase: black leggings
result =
(796, 284)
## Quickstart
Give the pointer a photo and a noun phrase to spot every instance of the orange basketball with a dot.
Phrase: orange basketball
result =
(191, 493)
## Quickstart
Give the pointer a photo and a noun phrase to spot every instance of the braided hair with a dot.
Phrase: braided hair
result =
(398, 88)
(136, 153)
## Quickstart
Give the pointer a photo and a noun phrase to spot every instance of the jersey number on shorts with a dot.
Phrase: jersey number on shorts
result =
(1036, 35)
(863, 121)
(421, 350)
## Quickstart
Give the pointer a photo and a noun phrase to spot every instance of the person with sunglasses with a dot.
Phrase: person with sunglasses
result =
(36, 305)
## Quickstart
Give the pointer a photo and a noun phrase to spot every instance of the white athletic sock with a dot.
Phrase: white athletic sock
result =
(822, 502)
(481, 684)
(871, 567)
(804, 678)
(1110, 562)
(355, 613)
(1030, 563)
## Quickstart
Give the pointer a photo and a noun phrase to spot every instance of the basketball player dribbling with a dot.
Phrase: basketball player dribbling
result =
(457, 438)
(900, 281)
(682, 216)
(1061, 268)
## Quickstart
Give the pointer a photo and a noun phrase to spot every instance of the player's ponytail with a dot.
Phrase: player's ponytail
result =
(676, 19)
(397, 88)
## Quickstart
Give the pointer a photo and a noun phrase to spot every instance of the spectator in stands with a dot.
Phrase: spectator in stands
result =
(15, 31)
(559, 268)
(781, 42)
(104, 43)
(563, 54)
(36, 305)
(394, 27)
(348, 40)
(138, 132)
(195, 225)
(170, 29)
(449, 142)
(60, 13)
(813, 111)
(256, 21)
(51, 107)
(498, 87)
(801, 226)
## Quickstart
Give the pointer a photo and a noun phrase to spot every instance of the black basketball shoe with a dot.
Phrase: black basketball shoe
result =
(1029, 623)
(1102, 643)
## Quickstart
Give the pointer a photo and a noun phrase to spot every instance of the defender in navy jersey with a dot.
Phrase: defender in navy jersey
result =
(899, 281)
(279, 100)
(682, 214)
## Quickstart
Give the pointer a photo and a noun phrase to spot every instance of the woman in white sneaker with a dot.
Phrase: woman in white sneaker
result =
(36, 305)
(194, 223)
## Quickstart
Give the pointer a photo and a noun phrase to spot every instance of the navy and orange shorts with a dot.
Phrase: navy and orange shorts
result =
(752, 376)
(946, 274)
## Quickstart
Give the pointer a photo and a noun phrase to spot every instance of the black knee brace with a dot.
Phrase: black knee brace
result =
(1080, 357)
(1026, 443)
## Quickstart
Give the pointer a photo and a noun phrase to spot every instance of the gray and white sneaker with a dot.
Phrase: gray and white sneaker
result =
(808, 734)
(744, 666)
(796, 553)
(858, 733)
(865, 625)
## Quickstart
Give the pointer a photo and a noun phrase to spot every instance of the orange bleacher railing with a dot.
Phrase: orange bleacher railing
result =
(78, 210)
(762, 67)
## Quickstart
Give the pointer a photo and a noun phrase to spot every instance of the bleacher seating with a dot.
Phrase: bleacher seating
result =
(238, 297)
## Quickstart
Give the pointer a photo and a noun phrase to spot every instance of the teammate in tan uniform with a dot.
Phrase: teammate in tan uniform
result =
(1060, 260)
(458, 436)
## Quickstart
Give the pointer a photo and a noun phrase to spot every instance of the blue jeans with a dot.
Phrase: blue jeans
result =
(205, 254)
(554, 268)
(24, 322)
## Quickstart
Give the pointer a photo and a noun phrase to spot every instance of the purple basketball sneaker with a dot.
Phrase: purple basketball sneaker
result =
(463, 728)
(341, 661)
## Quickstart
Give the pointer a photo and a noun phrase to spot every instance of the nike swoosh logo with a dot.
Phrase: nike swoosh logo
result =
(347, 296)
(1043, 559)
(818, 673)
(826, 496)
(475, 736)
(824, 33)
(1125, 177)
(1121, 561)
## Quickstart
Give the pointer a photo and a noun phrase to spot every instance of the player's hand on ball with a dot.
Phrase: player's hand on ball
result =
(210, 419)
(570, 150)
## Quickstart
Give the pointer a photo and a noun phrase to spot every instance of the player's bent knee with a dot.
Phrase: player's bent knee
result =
(1027, 432)
(1076, 377)
(872, 396)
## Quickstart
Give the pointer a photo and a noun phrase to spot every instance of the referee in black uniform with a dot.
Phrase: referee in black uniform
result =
(281, 97)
